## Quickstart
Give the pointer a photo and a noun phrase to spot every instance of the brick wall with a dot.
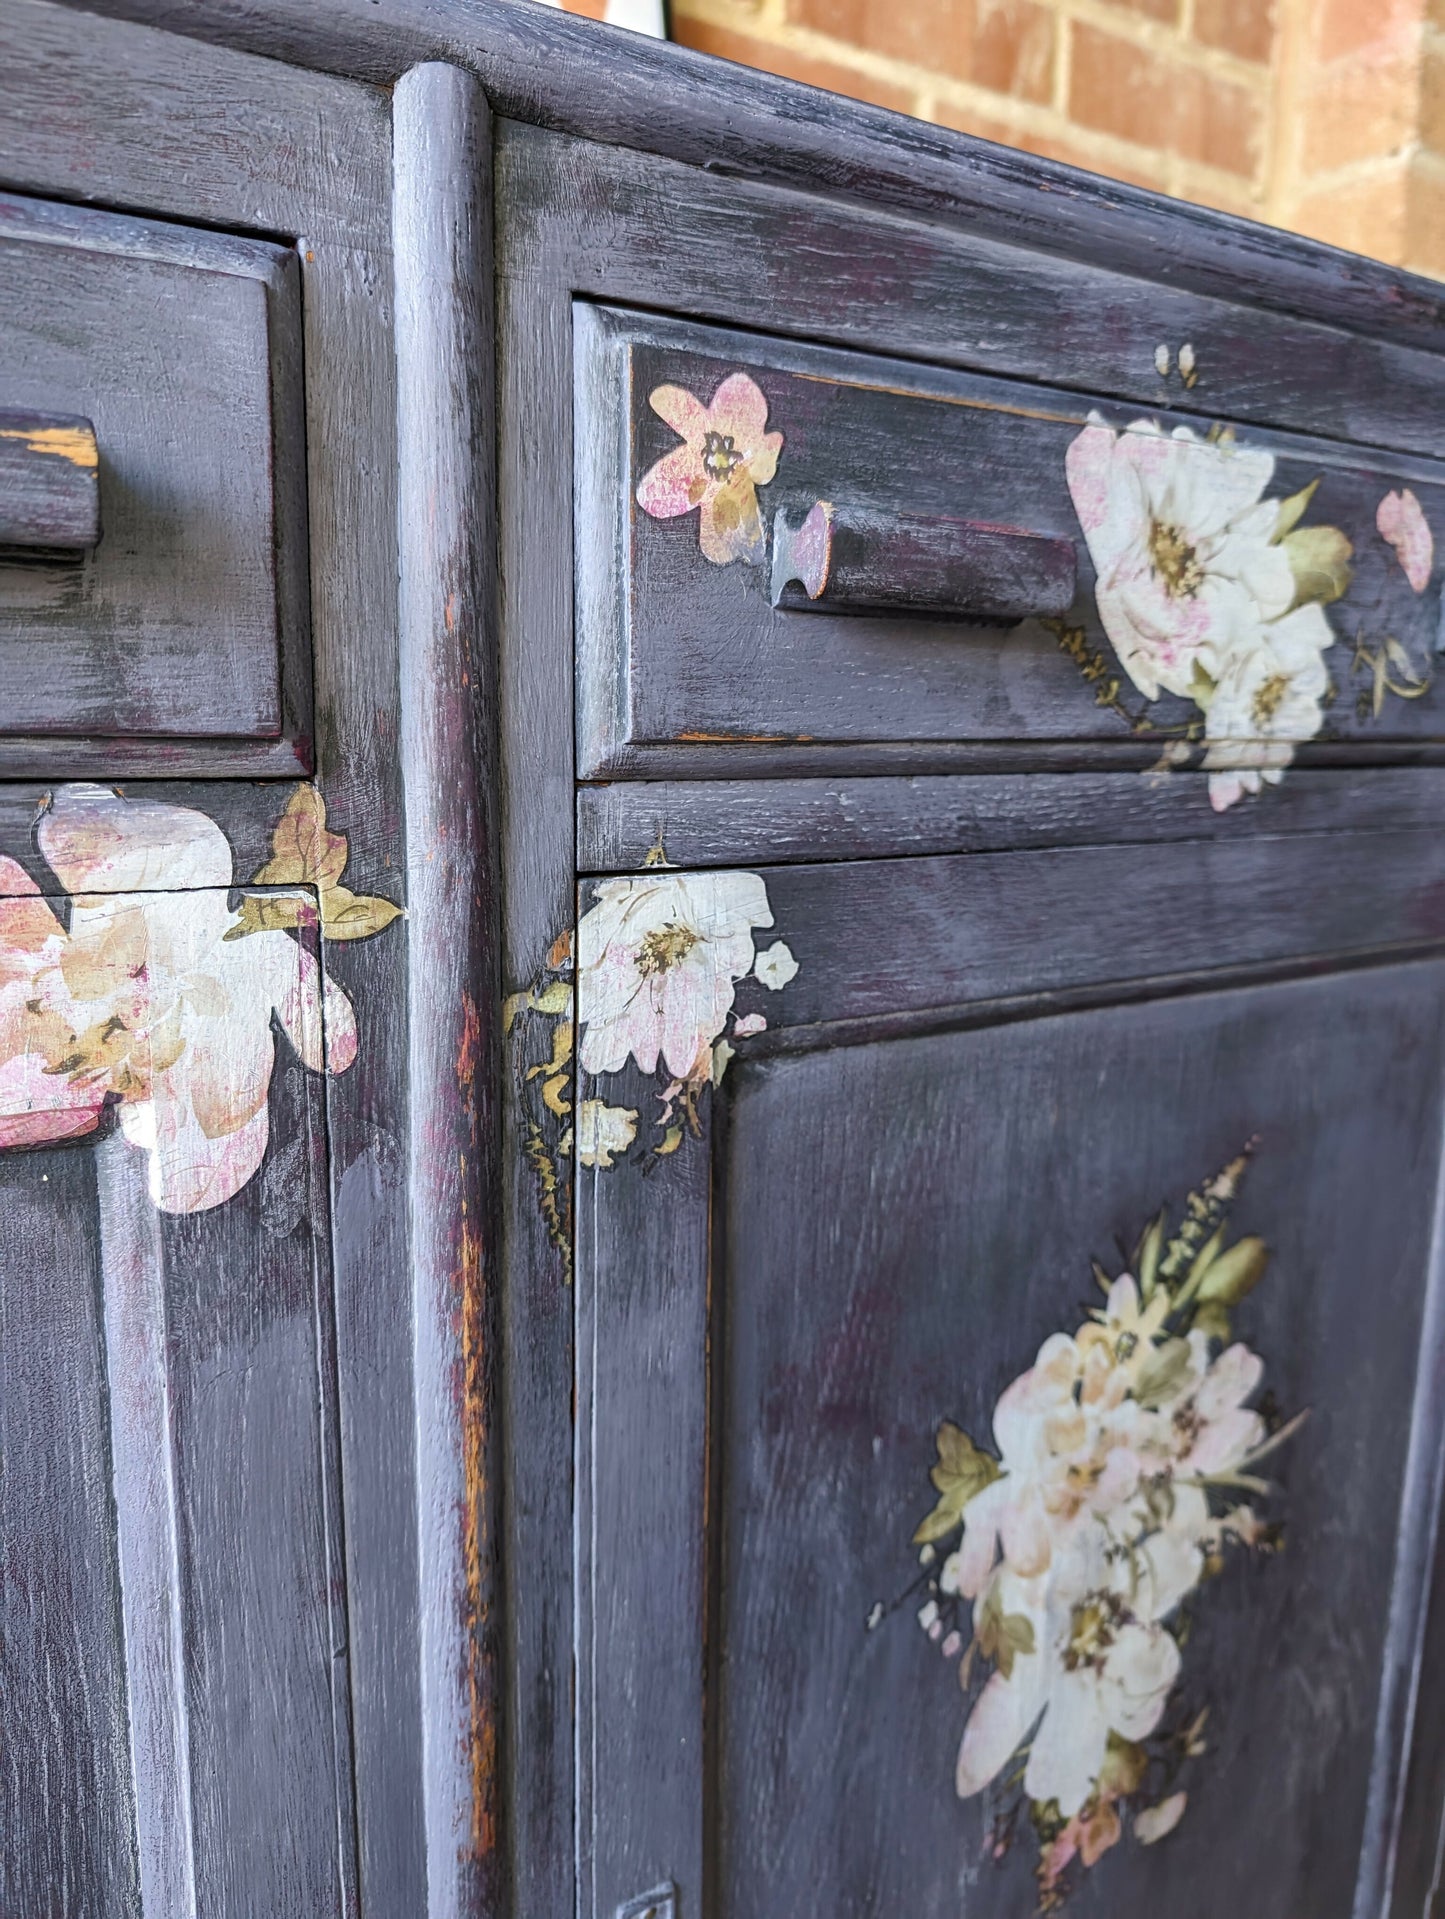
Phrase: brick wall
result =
(1326, 116)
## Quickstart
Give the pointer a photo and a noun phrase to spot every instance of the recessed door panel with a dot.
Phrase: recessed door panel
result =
(999, 1336)
(905, 1226)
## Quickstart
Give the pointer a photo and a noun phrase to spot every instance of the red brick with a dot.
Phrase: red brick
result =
(1013, 48)
(1239, 200)
(1364, 216)
(1358, 110)
(749, 51)
(1006, 45)
(1143, 171)
(933, 34)
(1153, 100)
(1424, 240)
(1431, 118)
(1349, 26)
(1244, 28)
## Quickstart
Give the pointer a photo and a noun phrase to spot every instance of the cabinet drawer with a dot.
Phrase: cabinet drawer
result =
(787, 543)
(187, 617)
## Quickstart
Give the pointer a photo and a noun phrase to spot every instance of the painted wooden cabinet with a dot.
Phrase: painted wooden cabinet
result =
(721, 1012)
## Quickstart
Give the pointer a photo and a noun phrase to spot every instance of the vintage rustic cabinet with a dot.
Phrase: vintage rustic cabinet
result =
(722, 1002)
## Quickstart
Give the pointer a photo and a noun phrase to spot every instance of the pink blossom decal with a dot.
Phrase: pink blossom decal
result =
(157, 1000)
(1403, 526)
(725, 456)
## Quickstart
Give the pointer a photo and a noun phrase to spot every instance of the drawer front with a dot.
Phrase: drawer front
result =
(787, 543)
(186, 617)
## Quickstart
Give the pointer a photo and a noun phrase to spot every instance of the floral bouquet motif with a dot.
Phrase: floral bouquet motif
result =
(1057, 1569)
(1212, 591)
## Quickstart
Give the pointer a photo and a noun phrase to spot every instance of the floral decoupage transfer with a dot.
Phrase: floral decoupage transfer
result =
(670, 969)
(661, 959)
(1246, 599)
(144, 996)
(1215, 587)
(1067, 1549)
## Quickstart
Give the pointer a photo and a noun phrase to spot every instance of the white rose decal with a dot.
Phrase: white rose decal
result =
(1183, 544)
(1210, 590)
(660, 958)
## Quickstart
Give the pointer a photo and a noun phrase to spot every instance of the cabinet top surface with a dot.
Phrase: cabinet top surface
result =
(627, 90)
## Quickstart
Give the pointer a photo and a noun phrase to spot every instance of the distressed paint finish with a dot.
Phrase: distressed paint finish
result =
(143, 1466)
(606, 87)
(279, 1372)
(443, 242)
(190, 615)
(1276, 616)
(49, 490)
(941, 924)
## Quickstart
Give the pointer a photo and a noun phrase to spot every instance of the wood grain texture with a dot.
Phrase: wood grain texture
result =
(1414, 1846)
(700, 823)
(736, 253)
(159, 126)
(1343, 862)
(190, 132)
(675, 650)
(70, 1840)
(1396, 1826)
(211, 1541)
(535, 774)
(343, 141)
(945, 569)
(49, 491)
(643, 1299)
(143, 1469)
(271, 1799)
(610, 86)
(970, 928)
(177, 621)
(443, 260)
(870, 1263)
(911, 1284)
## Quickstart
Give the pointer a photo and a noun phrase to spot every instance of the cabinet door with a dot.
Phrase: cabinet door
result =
(173, 1650)
(1008, 1318)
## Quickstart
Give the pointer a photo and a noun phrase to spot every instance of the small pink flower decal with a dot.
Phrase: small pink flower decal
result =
(725, 456)
(1403, 526)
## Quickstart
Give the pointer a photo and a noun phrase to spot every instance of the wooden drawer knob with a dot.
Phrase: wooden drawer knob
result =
(49, 485)
(854, 560)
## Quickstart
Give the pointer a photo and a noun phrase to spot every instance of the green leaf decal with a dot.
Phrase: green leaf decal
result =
(962, 1472)
(1293, 510)
(1319, 558)
(1164, 1369)
(1235, 1273)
